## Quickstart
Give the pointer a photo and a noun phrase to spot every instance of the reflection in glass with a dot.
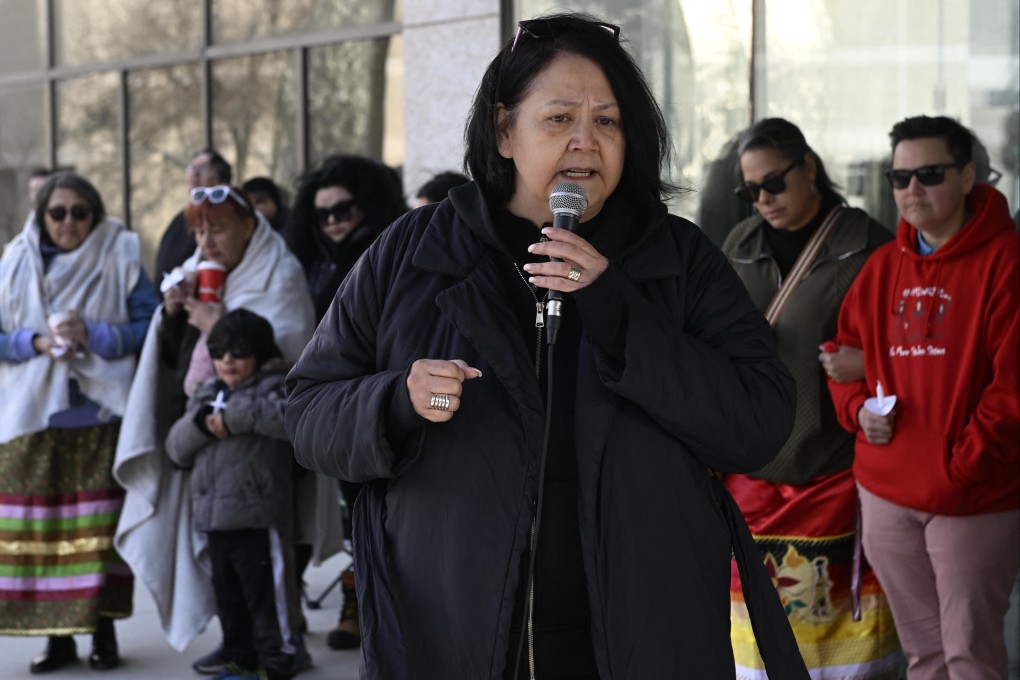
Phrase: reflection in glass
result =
(87, 125)
(23, 144)
(241, 20)
(164, 131)
(94, 31)
(355, 100)
(254, 115)
(845, 79)
(22, 35)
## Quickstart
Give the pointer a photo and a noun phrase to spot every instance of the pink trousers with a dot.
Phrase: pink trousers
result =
(948, 580)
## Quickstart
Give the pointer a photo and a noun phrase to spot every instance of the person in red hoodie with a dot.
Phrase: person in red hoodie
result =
(937, 313)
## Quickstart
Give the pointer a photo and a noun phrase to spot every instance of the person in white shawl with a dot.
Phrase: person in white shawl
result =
(156, 535)
(75, 304)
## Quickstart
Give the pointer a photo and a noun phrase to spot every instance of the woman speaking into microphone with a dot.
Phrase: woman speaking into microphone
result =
(536, 510)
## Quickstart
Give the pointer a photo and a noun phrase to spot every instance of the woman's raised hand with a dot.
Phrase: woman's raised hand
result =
(71, 329)
(203, 315)
(435, 387)
(581, 263)
(174, 298)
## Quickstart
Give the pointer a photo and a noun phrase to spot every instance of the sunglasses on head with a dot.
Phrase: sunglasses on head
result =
(341, 211)
(239, 351)
(545, 28)
(216, 195)
(927, 175)
(78, 213)
(775, 185)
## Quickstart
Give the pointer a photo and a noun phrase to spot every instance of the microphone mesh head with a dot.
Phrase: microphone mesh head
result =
(568, 197)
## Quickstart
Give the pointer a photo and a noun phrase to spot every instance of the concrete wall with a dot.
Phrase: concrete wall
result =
(447, 45)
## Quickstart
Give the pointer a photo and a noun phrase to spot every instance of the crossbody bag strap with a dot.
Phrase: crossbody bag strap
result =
(801, 266)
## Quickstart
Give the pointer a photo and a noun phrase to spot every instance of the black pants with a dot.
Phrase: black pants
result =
(246, 592)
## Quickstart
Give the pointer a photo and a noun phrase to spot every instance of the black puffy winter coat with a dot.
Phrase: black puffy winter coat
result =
(444, 517)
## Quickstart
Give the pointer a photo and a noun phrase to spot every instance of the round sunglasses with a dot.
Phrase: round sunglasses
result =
(240, 351)
(775, 185)
(79, 213)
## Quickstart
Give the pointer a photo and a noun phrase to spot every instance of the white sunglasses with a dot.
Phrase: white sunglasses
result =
(217, 194)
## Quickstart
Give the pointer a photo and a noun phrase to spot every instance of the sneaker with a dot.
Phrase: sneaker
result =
(212, 663)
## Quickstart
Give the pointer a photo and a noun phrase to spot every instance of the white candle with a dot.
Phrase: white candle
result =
(881, 394)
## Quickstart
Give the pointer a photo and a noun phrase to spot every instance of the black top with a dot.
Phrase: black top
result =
(176, 246)
(787, 245)
(562, 621)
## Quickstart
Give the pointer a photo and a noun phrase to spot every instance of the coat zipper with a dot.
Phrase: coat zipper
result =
(539, 325)
(539, 321)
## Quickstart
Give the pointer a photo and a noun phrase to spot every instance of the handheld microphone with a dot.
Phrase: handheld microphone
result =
(568, 201)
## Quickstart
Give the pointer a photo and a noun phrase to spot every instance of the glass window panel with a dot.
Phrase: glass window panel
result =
(95, 31)
(240, 20)
(845, 79)
(355, 100)
(695, 56)
(23, 144)
(255, 116)
(87, 129)
(22, 35)
(165, 130)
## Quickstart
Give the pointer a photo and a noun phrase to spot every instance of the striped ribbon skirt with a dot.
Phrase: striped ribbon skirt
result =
(806, 536)
(59, 506)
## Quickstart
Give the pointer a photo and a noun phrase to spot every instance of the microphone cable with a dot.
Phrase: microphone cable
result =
(526, 619)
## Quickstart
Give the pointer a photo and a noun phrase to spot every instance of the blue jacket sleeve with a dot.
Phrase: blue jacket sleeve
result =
(16, 346)
(115, 340)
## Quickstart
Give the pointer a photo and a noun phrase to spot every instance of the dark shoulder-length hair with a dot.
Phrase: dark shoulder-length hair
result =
(509, 78)
(77, 184)
(374, 186)
(788, 141)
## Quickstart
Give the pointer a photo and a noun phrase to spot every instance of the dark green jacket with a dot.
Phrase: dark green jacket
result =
(817, 445)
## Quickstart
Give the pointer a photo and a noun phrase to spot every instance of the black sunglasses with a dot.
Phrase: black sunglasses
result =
(341, 210)
(775, 185)
(78, 213)
(238, 351)
(545, 28)
(927, 175)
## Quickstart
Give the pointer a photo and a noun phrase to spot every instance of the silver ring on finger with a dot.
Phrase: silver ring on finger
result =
(440, 402)
(574, 274)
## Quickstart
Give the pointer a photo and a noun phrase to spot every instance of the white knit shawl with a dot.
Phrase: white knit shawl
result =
(95, 279)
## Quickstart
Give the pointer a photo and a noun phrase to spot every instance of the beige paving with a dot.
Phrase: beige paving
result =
(147, 655)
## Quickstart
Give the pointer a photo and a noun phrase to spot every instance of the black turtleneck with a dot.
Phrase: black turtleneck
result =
(563, 646)
(787, 245)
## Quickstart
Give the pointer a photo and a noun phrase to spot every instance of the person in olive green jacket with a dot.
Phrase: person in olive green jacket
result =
(797, 256)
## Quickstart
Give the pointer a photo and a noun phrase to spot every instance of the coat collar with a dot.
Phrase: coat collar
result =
(632, 239)
(751, 243)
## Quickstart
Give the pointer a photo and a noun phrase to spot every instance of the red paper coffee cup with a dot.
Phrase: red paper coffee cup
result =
(211, 276)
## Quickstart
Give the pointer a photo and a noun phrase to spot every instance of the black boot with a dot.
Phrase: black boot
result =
(104, 646)
(60, 651)
(347, 634)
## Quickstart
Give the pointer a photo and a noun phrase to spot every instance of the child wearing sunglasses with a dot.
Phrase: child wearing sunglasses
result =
(232, 438)
(938, 316)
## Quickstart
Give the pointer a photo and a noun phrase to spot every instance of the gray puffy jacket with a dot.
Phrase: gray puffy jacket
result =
(244, 481)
